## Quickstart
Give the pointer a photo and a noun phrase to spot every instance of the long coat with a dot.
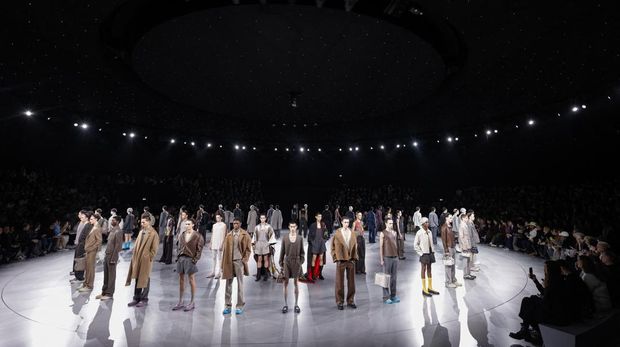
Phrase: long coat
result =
(276, 220)
(142, 259)
(342, 251)
(245, 248)
(251, 220)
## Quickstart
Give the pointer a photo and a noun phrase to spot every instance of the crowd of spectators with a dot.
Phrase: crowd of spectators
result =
(38, 209)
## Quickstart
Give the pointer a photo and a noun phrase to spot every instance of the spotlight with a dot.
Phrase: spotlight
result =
(371, 148)
(398, 145)
(575, 109)
(495, 131)
(449, 139)
(350, 149)
(253, 148)
(319, 149)
(146, 137)
(287, 149)
(75, 124)
(488, 132)
(339, 149)
(49, 118)
(608, 97)
(275, 149)
(530, 122)
(124, 134)
(357, 149)
(456, 139)
(221, 146)
(382, 147)
(193, 143)
(173, 140)
(243, 148)
(583, 106)
(301, 149)
(100, 129)
(208, 144)
(516, 126)
(84, 126)
(28, 113)
(559, 115)
(415, 144)
(475, 135)
(132, 135)
(236, 147)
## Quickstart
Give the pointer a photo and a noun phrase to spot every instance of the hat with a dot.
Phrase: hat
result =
(533, 224)
(563, 233)
(463, 210)
(424, 220)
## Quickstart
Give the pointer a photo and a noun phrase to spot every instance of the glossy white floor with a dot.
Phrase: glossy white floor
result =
(40, 308)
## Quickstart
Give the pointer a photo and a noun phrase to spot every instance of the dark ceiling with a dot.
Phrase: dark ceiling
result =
(216, 69)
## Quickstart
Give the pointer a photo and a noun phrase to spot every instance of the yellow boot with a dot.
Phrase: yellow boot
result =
(430, 286)
(425, 288)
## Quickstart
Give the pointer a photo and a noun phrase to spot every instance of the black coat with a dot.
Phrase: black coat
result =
(79, 249)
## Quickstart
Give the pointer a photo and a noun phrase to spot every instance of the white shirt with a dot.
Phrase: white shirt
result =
(217, 237)
(417, 219)
(346, 233)
(423, 242)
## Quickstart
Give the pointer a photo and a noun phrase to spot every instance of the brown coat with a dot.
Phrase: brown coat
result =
(193, 248)
(447, 237)
(142, 259)
(245, 247)
(340, 251)
(93, 240)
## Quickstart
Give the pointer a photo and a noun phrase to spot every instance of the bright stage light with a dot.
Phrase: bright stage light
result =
(28, 113)
(173, 140)
(236, 147)
(84, 126)
(132, 135)
(415, 144)
(575, 109)
(530, 122)
(193, 143)
(449, 139)
(209, 145)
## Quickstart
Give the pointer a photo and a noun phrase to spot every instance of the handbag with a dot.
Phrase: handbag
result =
(382, 279)
(80, 264)
(448, 261)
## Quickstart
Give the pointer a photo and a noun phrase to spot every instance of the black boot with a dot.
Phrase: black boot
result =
(265, 274)
(522, 334)
(321, 273)
(258, 273)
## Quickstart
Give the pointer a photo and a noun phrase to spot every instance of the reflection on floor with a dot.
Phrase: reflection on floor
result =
(41, 308)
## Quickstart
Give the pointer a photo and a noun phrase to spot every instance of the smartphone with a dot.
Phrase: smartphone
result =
(531, 272)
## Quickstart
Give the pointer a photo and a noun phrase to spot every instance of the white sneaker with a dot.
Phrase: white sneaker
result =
(458, 284)
(475, 268)
(450, 285)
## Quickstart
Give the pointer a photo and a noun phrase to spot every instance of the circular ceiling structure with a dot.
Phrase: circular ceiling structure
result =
(287, 63)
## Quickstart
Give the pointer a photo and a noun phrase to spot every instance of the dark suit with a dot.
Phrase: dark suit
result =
(115, 243)
(80, 252)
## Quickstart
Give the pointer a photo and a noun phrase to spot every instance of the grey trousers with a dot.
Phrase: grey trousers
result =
(238, 270)
(451, 270)
(109, 277)
(466, 266)
(390, 267)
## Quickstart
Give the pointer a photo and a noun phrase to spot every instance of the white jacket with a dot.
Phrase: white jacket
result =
(423, 242)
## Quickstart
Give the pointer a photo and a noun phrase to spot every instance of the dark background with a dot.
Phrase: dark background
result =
(381, 73)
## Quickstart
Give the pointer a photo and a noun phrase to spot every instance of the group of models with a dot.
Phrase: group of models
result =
(231, 251)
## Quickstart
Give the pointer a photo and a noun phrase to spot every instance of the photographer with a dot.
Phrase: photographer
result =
(552, 305)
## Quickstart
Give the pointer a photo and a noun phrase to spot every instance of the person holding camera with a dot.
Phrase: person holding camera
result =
(550, 306)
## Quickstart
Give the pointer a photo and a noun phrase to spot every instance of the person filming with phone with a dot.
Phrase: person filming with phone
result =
(552, 305)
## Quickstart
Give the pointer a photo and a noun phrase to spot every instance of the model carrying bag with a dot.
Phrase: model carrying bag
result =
(382, 279)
